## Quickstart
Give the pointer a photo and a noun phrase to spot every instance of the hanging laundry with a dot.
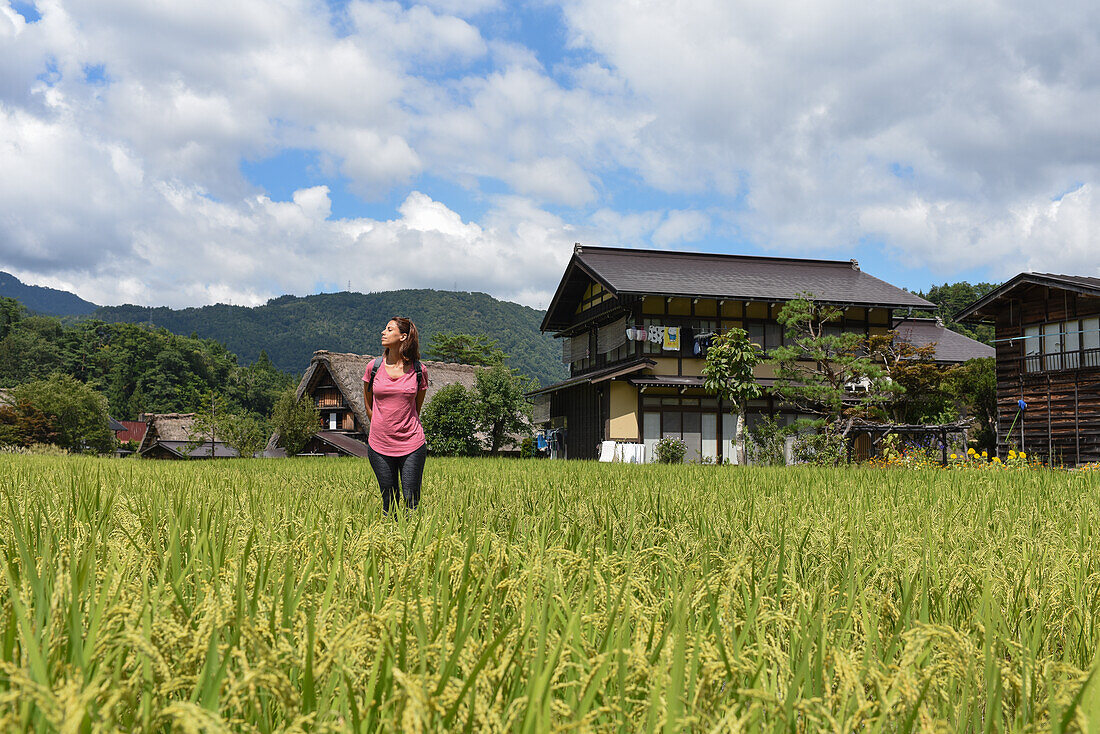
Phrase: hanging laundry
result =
(630, 334)
(672, 339)
(656, 334)
(641, 334)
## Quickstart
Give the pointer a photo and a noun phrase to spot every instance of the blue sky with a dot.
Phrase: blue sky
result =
(202, 152)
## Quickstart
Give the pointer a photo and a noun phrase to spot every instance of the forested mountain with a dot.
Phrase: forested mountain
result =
(952, 298)
(291, 328)
(40, 299)
(138, 368)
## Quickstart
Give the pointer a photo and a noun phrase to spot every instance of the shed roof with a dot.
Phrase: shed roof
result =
(343, 442)
(199, 451)
(951, 346)
(986, 306)
(626, 271)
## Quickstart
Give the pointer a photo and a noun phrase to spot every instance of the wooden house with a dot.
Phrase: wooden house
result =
(334, 381)
(623, 388)
(1047, 329)
(172, 436)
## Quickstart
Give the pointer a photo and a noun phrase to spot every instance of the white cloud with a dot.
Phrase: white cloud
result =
(830, 119)
(948, 132)
(681, 226)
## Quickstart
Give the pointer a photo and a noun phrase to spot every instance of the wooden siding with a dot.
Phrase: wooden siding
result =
(580, 407)
(1061, 424)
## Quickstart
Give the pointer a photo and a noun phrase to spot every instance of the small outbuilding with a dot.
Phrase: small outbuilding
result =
(172, 436)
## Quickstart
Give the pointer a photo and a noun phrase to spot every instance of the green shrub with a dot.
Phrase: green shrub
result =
(765, 443)
(450, 422)
(669, 450)
(824, 448)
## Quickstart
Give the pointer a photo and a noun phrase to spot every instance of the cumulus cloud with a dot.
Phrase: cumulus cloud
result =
(948, 133)
(833, 121)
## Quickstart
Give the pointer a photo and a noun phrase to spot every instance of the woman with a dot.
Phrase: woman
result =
(393, 392)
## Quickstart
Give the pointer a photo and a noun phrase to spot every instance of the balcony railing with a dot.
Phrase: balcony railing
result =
(330, 401)
(1056, 361)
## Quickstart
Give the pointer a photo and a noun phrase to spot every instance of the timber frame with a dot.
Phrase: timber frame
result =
(639, 391)
(1047, 337)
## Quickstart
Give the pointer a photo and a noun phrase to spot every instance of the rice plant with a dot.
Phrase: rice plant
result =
(537, 596)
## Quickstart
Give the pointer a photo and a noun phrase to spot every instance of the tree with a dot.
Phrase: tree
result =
(729, 372)
(11, 313)
(974, 385)
(464, 349)
(204, 428)
(295, 420)
(78, 413)
(924, 395)
(502, 408)
(823, 371)
(450, 422)
(950, 298)
(22, 424)
(245, 432)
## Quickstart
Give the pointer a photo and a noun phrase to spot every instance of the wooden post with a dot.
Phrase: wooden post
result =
(1050, 430)
(1076, 421)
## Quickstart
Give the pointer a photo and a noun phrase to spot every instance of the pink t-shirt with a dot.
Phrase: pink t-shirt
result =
(395, 428)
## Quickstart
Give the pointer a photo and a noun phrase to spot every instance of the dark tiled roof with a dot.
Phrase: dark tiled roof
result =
(617, 370)
(740, 276)
(202, 451)
(951, 346)
(345, 443)
(980, 309)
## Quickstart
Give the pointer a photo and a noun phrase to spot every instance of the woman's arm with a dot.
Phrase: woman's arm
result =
(368, 401)
(420, 399)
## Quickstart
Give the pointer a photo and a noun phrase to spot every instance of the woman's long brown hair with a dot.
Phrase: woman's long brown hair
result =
(410, 348)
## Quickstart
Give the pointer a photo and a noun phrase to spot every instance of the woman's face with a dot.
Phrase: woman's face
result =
(392, 336)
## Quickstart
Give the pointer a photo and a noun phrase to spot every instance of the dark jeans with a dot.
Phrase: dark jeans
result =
(410, 469)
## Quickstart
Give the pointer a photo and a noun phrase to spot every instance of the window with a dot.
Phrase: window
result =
(1032, 349)
(1090, 342)
(1062, 345)
(773, 337)
(1052, 346)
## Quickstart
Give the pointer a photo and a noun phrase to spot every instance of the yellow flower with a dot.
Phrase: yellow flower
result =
(996, 459)
(985, 454)
(953, 456)
(1022, 455)
(971, 452)
(1011, 453)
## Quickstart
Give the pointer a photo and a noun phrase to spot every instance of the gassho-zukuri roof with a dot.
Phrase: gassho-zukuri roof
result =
(347, 371)
(705, 275)
(985, 308)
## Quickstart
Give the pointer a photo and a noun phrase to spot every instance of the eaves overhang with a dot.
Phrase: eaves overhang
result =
(977, 311)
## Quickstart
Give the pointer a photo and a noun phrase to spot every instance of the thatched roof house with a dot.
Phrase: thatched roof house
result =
(344, 372)
(172, 436)
(334, 380)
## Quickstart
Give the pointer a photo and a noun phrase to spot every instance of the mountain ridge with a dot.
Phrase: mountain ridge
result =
(290, 328)
(43, 300)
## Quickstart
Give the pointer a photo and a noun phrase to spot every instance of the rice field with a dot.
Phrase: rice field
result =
(535, 596)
